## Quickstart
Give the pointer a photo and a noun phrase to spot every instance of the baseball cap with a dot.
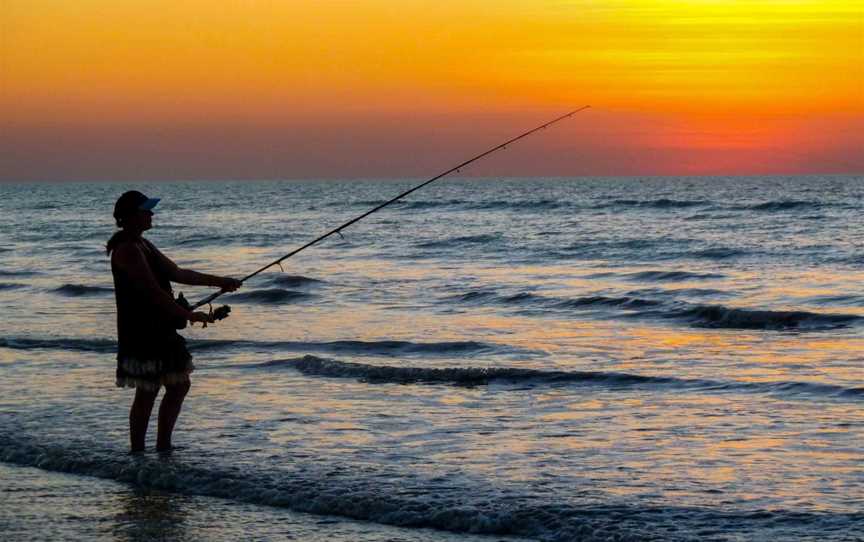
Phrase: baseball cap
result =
(132, 201)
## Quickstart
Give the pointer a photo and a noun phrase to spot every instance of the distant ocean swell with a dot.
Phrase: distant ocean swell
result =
(275, 295)
(475, 376)
(17, 273)
(551, 204)
(11, 286)
(661, 203)
(697, 315)
(252, 239)
(357, 348)
(660, 275)
(708, 316)
(455, 242)
(470, 205)
(389, 498)
(638, 250)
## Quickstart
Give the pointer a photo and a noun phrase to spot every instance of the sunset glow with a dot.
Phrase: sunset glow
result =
(266, 89)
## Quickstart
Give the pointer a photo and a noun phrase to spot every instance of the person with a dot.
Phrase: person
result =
(151, 354)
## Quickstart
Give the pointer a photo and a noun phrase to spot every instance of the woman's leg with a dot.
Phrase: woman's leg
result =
(139, 417)
(172, 402)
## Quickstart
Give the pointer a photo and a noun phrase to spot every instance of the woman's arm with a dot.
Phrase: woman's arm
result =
(194, 278)
(132, 261)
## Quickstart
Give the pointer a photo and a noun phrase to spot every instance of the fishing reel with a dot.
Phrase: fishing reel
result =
(219, 313)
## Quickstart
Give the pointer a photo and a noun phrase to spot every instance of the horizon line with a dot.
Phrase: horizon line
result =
(415, 178)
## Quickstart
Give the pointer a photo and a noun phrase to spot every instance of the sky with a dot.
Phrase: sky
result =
(283, 89)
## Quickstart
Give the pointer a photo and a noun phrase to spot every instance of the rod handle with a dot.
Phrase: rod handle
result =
(207, 300)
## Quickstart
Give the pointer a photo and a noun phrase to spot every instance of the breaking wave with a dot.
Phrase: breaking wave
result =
(79, 290)
(271, 296)
(719, 316)
(477, 376)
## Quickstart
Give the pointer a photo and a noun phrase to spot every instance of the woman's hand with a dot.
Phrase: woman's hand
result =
(227, 284)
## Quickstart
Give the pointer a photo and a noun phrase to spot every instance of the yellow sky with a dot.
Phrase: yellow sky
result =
(704, 68)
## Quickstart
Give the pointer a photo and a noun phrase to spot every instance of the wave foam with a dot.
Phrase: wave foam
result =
(381, 496)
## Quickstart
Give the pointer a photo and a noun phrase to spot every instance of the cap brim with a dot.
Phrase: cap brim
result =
(149, 204)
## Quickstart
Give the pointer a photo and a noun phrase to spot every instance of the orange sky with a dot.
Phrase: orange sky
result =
(116, 89)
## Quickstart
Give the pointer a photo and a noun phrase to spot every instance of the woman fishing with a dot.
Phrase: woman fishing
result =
(151, 353)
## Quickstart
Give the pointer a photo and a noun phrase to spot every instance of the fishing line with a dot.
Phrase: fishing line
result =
(209, 299)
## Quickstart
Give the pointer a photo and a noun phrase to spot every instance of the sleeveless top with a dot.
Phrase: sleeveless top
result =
(144, 331)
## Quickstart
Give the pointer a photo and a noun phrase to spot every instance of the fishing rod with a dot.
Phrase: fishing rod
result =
(209, 299)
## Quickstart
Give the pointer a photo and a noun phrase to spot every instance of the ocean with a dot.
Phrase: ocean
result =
(586, 359)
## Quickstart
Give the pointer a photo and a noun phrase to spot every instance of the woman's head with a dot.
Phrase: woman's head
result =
(134, 211)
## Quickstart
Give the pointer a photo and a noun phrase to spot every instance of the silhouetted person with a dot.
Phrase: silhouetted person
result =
(151, 353)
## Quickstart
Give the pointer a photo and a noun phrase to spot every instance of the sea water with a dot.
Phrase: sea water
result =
(543, 359)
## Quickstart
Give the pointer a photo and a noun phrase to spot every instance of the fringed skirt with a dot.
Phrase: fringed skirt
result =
(149, 372)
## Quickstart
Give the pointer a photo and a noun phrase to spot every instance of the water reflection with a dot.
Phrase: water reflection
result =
(147, 515)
